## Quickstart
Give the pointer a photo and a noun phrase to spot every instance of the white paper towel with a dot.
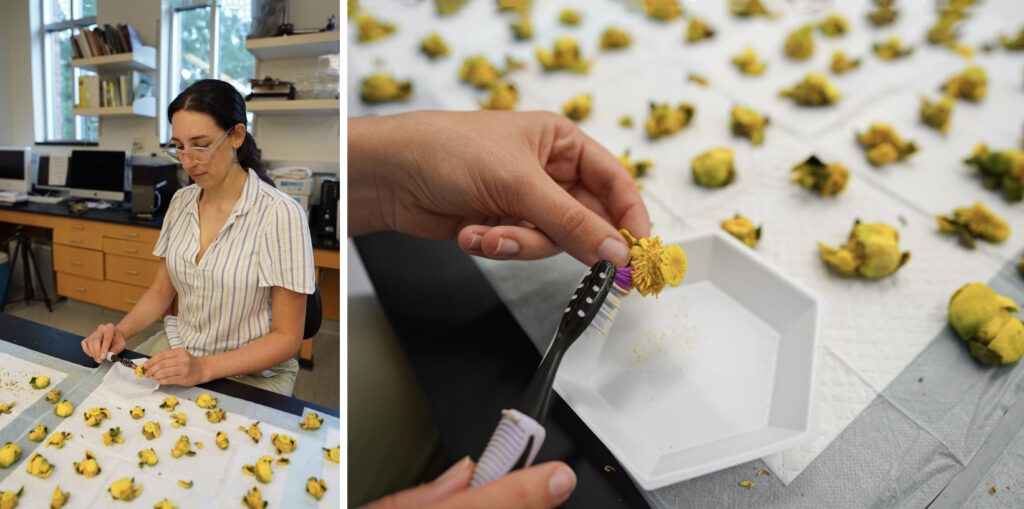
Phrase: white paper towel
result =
(14, 387)
(216, 474)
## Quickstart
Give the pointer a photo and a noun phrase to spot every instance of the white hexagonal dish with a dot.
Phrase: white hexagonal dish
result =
(715, 372)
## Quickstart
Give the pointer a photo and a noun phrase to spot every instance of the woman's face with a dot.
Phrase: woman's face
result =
(194, 129)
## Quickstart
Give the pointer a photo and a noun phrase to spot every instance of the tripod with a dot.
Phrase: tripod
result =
(24, 247)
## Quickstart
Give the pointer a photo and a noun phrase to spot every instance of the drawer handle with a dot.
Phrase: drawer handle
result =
(131, 272)
(77, 289)
(77, 227)
(129, 250)
(131, 234)
(130, 301)
(76, 262)
(76, 241)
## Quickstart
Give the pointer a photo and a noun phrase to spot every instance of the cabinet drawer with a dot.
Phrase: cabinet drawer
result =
(131, 248)
(134, 271)
(79, 225)
(82, 288)
(78, 239)
(135, 233)
(81, 262)
(121, 296)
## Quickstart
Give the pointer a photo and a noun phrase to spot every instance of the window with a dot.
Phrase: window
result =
(60, 19)
(208, 41)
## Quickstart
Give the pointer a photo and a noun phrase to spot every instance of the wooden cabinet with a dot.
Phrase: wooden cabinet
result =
(130, 270)
(107, 264)
(78, 261)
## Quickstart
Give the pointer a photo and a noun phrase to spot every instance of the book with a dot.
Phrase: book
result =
(142, 85)
(124, 89)
(95, 99)
(133, 39)
(83, 44)
(114, 37)
(104, 43)
(83, 91)
(94, 46)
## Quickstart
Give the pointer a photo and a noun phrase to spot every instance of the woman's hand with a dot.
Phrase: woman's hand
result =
(176, 366)
(106, 338)
(537, 487)
(506, 185)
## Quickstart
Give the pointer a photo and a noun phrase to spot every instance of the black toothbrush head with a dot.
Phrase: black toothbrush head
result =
(588, 300)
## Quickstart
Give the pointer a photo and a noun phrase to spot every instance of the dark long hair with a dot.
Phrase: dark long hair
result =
(221, 101)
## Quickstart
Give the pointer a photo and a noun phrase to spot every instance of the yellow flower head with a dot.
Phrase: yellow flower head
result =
(645, 257)
(673, 264)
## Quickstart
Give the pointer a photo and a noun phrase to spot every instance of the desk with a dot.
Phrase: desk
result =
(67, 346)
(102, 234)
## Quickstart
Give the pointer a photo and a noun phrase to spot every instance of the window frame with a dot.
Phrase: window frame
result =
(170, 79)
(49, 136)
(213, 69)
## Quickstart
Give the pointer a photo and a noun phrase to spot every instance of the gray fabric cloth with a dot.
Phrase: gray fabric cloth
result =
(42, 411)
(902, 451)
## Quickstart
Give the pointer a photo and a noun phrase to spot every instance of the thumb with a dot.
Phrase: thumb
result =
(453, 480)
(578, 230)
(538, 487)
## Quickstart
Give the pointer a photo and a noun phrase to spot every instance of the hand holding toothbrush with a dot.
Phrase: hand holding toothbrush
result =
(507, 185)
(540, 486)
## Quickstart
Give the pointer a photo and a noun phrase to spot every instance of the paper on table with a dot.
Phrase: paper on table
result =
(216, 474)
(122, 380)
(14, 376)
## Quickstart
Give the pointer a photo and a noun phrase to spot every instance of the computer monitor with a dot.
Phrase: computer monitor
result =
(97, 174)
(16, 169)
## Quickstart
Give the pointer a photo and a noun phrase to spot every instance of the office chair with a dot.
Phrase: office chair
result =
(314, 313)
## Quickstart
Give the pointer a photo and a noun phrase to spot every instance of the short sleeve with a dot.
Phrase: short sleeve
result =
(171, 220)
(285, 249)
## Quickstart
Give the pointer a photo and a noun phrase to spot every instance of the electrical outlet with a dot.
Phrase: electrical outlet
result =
(137, 145)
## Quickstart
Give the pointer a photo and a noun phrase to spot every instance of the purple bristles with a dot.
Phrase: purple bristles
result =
(624, 278)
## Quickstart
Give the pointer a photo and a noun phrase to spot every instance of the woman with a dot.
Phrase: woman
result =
(234, 249)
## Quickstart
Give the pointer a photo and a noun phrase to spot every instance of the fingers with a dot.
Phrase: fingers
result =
(156, 364)
(506, 242)
(538, 487)
(454, 480)
(603, 174)
(97, 344)
(578, 230)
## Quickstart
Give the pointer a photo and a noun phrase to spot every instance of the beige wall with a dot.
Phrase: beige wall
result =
(5, 78)
(17, 122)
(294, 138)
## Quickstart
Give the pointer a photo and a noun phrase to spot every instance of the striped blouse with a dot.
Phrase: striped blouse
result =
(224, 300)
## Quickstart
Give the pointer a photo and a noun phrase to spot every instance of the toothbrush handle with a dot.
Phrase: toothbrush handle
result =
(513, 445)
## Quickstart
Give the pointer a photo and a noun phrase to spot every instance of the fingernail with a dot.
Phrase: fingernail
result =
(475, 240)
(614, 250)
(506, 247)
(455, 469)
(562, 483)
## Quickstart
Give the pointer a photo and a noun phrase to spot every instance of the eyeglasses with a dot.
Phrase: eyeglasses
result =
(201, 155)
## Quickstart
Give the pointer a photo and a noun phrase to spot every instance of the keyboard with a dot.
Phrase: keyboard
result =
(12, 196)
(50, 200)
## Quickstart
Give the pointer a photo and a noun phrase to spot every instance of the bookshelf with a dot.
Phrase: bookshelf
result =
(142, 59)
(288, 107)
(294, 46)
(144, 107)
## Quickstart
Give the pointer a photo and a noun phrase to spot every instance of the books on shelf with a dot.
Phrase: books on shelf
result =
(112, 90)
(108, 40)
